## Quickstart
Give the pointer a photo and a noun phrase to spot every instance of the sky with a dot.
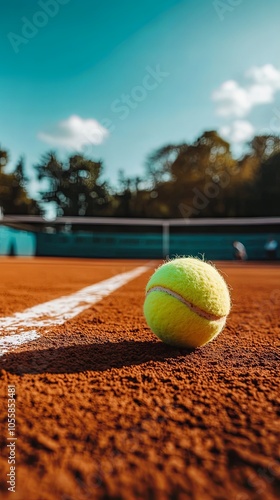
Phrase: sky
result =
(117, 80)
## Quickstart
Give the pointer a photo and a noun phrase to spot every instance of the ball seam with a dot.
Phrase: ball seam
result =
(200, 312)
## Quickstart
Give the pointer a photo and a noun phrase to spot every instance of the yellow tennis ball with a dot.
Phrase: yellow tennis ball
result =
(187, 302)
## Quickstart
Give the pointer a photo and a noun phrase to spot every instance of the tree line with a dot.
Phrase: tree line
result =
(201, 179)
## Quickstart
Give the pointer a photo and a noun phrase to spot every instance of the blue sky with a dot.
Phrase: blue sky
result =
(120, 79)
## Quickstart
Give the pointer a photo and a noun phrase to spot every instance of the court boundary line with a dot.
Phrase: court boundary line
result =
(22, 326)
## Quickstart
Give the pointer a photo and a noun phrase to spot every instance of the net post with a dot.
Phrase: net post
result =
(165, 239)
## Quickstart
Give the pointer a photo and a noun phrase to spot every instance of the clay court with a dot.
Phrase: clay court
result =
(104, 410)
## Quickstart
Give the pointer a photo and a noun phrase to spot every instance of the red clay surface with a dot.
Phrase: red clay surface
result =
(106, 411)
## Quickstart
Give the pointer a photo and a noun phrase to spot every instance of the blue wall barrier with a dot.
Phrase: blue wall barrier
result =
(129, 245)
(219, 246)
(109, 245)
(15, 242)
(148, 246)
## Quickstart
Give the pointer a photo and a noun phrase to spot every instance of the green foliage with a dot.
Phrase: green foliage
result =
(189, 180)
(14, 198)
(201, 179)
(269, 186)
(204, 180)
(75, 186)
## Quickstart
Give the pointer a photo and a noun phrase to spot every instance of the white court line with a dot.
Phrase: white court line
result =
(22, 326)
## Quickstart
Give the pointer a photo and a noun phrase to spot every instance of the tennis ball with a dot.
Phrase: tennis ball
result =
(187, 302)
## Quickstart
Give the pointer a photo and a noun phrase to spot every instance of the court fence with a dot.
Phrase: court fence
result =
(136, 238)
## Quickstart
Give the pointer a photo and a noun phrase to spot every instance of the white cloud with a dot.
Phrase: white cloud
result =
(232, 99)
(75, 133)
(238, 131)
(265, 75)
(235, 100)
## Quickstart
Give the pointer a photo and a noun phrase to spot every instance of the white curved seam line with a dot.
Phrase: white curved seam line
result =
(192, 307)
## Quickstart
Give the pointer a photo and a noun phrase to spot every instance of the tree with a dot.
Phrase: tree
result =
(199, 175)
(269, 186)
(159, 162)
(259, 186)
(14, 198)
(3, 158)
(264, 146)
(74, 186)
